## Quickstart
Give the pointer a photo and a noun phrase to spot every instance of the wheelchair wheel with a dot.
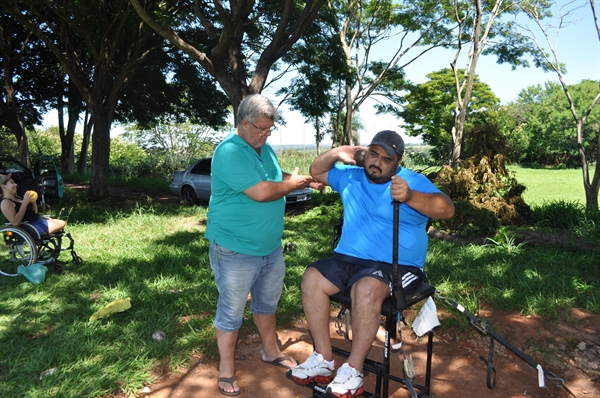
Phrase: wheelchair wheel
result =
(49, 250)
(17, 248)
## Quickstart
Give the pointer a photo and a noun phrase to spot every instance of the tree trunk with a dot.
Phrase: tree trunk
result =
(10, 113)
(99, 183)
(85, 144)
(12, 122)
(64, 156)
(318, 134)
(67, 156)
(24, 146)
(478, 42)
(347, 139)
(337, 134)
(74, 105)
(591, 188)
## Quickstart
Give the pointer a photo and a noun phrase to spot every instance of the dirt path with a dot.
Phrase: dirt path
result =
(570, 351)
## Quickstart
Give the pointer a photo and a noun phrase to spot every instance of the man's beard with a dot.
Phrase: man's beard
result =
(376, 179)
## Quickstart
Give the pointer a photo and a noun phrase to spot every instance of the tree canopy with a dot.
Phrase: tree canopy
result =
(173, 89)
(237, 43)
(540, 126)
(428, 110)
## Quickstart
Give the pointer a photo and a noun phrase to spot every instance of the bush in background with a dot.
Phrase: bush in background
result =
(571, 215)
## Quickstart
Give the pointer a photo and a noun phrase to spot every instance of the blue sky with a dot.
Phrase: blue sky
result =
(578, 46)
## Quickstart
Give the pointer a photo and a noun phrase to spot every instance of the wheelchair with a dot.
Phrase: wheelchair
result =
(23, 245)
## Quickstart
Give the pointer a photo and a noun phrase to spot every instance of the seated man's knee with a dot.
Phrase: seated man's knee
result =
(369, 290)
(310, 278)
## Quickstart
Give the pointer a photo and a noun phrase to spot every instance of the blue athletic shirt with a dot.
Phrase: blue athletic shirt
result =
(236, 221)
(367, 231)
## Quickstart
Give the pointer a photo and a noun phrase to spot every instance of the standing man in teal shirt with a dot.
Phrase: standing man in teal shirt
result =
(244, 230)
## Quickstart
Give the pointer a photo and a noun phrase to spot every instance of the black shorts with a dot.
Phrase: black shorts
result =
(344, 271)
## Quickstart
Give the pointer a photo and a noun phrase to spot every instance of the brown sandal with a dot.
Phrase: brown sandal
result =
(228, 380)
(277, 362)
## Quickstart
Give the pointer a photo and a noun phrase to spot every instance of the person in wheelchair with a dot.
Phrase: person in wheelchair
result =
(361, 263)
(16, 210)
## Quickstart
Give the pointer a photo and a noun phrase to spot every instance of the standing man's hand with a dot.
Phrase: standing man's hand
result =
(300, 181)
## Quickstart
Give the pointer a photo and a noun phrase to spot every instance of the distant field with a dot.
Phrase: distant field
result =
(550, 184)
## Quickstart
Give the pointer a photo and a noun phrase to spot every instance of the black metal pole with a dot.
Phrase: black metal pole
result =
(397, 290)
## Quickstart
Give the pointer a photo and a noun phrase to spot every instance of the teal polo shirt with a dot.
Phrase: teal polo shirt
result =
(236, 221)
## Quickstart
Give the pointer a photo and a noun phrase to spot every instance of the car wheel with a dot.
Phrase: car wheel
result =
(189, 195)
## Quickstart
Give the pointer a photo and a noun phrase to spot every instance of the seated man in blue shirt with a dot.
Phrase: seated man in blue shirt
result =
(362, 261)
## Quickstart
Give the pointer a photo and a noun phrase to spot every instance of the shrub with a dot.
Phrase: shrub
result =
(469, 219)
(483, 180)
(571, 215)
(557, 214)
(486, 184)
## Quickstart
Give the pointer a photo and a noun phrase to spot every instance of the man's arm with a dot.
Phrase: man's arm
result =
(320, 167)
(267, 191)
(433, 205)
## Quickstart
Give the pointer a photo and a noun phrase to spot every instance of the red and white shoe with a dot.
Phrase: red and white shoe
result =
(313, 369)
(348, 383)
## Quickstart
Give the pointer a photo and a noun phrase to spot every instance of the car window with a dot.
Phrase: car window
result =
(202, 167)
(45, 167)
(10, 165)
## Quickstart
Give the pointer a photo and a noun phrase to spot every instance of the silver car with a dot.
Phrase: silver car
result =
(193, 185)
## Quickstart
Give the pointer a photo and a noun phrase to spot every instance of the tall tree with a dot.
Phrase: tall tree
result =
(482, 28)
(428, 110)
(101, 45)
(403, 26)
(235, 42)
(551, 61)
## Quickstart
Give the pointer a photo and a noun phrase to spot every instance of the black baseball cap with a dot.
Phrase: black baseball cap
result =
(390, 141)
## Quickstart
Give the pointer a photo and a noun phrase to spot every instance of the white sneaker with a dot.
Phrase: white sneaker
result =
(348, 383)
(313, 369)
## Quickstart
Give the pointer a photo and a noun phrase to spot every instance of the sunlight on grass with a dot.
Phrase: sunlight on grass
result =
(546, 185)
(532, 274)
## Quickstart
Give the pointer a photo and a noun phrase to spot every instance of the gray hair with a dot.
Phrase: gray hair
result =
(256, 105)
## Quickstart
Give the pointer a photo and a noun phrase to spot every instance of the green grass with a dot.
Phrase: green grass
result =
(156, 255)
(546, 185)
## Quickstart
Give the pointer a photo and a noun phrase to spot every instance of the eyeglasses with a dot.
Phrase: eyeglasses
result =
(264, 131)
